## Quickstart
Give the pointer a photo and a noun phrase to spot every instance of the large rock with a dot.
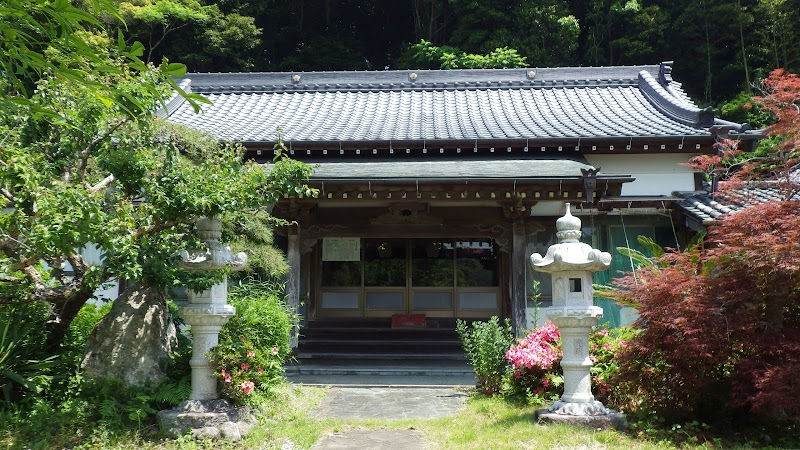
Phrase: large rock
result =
(133, 340)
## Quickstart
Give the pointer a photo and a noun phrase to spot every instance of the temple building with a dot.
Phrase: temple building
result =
(435, 187)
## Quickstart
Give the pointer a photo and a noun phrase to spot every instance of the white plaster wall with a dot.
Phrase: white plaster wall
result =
(656, 174)
(549, 208)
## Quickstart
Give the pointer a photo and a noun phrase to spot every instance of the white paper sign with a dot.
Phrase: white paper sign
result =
(341, 249)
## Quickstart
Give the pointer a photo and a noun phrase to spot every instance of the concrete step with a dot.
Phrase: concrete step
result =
(390, 356)
(381, 373)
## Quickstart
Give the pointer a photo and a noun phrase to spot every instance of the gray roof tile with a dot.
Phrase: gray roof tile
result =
(457, 105)
(707, 209)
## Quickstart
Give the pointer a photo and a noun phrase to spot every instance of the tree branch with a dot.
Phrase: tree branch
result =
(78, 264)
(102, 184)
(155, 228)
(9, 279)
(8, 195)
(86, 152)
(34, 277)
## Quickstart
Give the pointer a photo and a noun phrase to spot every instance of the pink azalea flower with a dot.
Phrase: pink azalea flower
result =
(247, 386)
(245, 366)
(275, 351)
(242, 338)
(607, 346)
(251, 353)
(225, 376)
(260, 371)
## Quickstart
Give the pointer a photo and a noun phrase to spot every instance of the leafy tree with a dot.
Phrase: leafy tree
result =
(779, 29)
(252, 233)
(543, 31)
(720, 326)
(200, 35)
(622, 32)
(79, 156)
(547, 33)
(57, 40)
(160, 18)
(431, 19)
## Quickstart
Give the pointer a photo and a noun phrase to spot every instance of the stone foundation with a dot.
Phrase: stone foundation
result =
(590, 415)
(207, 419)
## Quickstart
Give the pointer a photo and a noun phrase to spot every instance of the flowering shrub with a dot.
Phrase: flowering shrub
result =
(604, 344)
(243, 369)
(535, 372)
(262, 316)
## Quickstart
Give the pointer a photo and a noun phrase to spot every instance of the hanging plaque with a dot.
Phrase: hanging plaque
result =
(341, 249)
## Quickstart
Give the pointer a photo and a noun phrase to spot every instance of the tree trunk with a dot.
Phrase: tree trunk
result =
(65, 312)
(744, 51)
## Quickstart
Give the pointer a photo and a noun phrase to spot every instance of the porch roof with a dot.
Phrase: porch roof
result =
(704, 208)
(339, 110)
(535, 169)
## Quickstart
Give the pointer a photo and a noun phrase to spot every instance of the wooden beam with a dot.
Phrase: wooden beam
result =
(293, 277)
(519, 289)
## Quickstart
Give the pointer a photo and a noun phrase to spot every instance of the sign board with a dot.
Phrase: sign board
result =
(341, 249)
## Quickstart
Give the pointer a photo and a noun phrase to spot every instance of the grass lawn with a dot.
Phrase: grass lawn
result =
(485, 423)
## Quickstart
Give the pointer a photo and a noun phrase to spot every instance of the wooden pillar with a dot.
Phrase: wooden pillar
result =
(293, 277)
(519, 289)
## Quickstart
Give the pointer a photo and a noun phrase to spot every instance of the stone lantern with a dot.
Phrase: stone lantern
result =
(571, 263)
(207, 311)
(205, 415)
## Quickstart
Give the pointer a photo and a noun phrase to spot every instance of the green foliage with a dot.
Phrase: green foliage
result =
(84, 184)
(201, 34)
(604, 344)
(116, 407)
(426, 55)
(24, 372)
(253, 344)
(262, 317)
(485, 344)
(253, 233)
(741, 109)
(80, 329)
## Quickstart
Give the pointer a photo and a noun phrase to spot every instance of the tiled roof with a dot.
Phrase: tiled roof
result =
(455, 106)
(708, 209)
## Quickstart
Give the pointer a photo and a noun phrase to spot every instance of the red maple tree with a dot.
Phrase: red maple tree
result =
(720, 325)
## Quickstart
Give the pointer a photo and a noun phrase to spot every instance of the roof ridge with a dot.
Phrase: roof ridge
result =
(675, 106)
(176, 100)
(411, 87)
(414, 79)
